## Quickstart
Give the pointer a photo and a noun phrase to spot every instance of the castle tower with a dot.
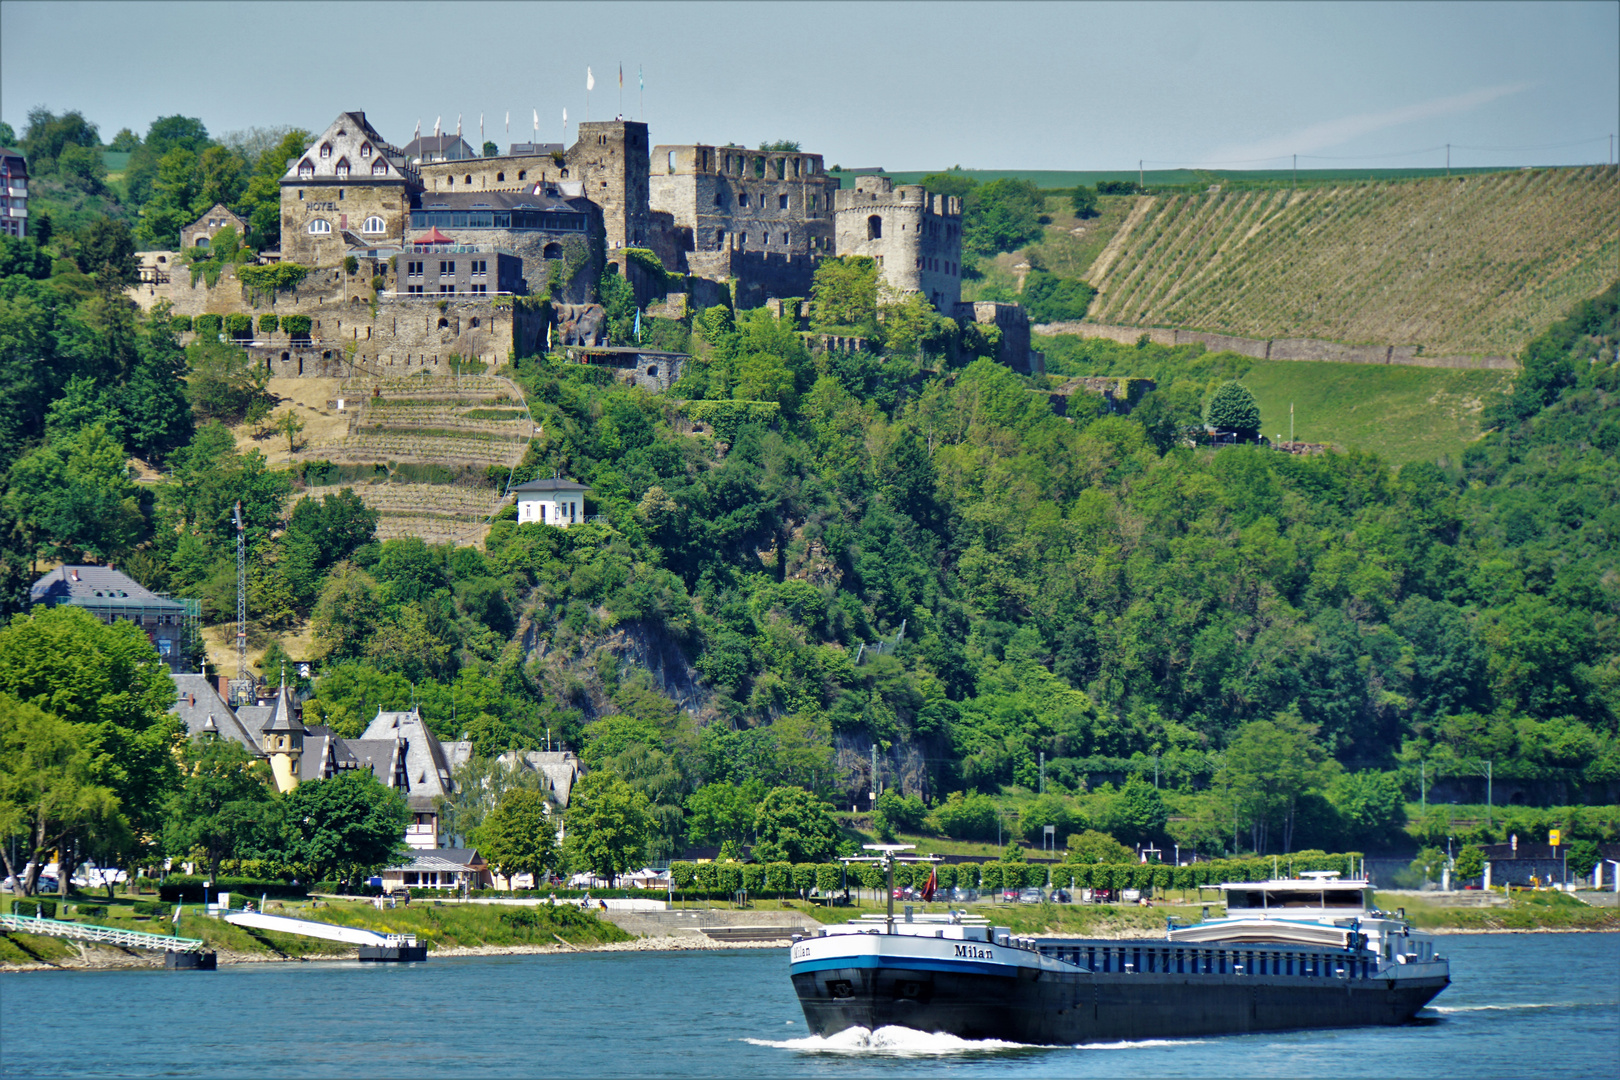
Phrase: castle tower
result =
(916, 237)
(610, 162)
(282, 738)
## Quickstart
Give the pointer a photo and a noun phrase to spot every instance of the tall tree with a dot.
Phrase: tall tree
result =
(48, 790)
(1267, 768)
(608, 823)
(350, 824)
(225, 806)
(520, 835)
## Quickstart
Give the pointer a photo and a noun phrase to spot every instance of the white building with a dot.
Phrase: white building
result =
(551, 502)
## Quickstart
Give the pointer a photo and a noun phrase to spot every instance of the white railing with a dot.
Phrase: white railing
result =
(105, 935)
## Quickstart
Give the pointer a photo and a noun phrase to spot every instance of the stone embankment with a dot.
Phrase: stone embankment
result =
(1304, 349)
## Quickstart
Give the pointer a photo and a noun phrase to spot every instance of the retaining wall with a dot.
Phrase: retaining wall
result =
(1309, 349)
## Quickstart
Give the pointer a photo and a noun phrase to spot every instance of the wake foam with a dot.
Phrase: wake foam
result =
(890, 1042)
(1138, 1044)
(1515, 1008)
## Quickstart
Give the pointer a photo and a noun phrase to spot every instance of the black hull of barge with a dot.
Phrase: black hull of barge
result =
(1064, 1009)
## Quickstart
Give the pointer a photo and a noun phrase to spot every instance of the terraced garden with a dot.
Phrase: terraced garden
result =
(439, 447)
(1466, 265)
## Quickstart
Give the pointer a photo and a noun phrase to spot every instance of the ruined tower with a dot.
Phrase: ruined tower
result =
(915, 236)
(609, 161)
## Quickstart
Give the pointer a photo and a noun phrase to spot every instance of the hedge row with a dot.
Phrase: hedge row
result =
(44, 909)
(785, 878)
(188, 889)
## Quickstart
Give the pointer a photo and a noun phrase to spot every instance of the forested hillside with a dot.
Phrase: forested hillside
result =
(794, 558)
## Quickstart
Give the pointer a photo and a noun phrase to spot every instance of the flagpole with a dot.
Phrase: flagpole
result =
(641, 94)
(621, 87)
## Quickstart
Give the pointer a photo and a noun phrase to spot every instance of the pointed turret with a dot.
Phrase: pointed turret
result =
(283, 736)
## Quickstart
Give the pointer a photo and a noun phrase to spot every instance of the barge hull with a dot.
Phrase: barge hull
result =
(1063, 1009)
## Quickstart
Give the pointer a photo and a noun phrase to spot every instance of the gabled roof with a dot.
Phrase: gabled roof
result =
(427, 770)
(198, 705)
(550, 483)
(347, 137)
(439, 147)
(96, 587)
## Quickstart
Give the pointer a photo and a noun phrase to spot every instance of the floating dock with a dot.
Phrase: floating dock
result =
(374, 947)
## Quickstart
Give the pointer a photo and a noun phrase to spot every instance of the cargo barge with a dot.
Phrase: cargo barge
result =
(1308, 952)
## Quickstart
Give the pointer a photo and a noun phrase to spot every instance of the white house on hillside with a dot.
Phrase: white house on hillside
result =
(551, 501)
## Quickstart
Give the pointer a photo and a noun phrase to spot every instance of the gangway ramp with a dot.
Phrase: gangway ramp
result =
(98, 935)
(373, 946)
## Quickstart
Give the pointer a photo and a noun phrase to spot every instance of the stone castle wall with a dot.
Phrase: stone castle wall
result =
(610, 160)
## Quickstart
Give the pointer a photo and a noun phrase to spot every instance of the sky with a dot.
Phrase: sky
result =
(902, 86)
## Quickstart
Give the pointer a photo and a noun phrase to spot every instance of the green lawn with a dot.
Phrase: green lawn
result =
(1401, 413)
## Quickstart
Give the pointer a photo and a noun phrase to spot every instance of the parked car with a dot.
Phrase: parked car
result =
(960, 895)
(1102, 896)
(1009, 896)
(1061, 896)
(1031, 895)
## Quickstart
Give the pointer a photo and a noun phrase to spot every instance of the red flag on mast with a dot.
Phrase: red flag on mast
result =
(931, 885)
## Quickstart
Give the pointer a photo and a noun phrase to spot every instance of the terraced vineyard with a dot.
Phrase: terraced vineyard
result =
(1466, 265)
(438, 447)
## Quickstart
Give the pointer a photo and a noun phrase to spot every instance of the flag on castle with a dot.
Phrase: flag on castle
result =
(509, 120)
(590, 80)
(621, 74)
(418, 136)
(436, 120)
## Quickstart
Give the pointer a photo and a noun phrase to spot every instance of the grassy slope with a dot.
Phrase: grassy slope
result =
(1402, 413)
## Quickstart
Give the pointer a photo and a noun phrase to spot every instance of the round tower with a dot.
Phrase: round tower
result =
(915, 237)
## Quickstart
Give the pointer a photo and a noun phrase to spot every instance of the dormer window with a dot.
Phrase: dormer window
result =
(326, 150)
(379, 168)
(306, 169)
(365, 150)
(343, 168)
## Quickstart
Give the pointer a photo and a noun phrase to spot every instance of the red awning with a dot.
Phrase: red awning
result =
(434, 236)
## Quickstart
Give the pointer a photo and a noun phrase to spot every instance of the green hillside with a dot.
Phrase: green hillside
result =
(1402, 413)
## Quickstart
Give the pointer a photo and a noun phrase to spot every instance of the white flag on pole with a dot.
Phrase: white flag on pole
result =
(436, 120)
(590, 80)
(458, 125)
(418, 136)
(509, 121)
(537, 121)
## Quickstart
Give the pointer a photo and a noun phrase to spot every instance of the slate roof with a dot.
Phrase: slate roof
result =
(347, 136)
(443, 859)
(97, 587)
(533, 199)
(427, 771)
(381, 756)
(198, 702)
(439, 148)
(550, 483)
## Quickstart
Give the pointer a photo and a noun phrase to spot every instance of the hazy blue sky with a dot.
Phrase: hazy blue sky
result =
(905, 86)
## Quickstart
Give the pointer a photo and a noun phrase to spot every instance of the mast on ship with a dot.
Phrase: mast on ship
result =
(888, 855)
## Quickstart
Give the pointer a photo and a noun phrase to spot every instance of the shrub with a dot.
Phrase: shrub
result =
(44, 909)
(350, 265)
(275, 277)
(92, 911)
(180, 324)
(297, 325)
(269, 323)
(208, 324)
(969, 816)
(1118, 187)
(239, 325)
(188, 889)
(1232, 408)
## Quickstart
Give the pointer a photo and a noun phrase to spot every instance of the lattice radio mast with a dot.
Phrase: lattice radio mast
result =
(242, 686)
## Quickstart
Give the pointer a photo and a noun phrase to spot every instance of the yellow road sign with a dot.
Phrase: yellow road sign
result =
(1553, 836)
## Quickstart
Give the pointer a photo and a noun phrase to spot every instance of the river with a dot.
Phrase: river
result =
(1519, 1004)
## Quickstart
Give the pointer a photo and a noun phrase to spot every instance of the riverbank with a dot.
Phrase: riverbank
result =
(452, 929)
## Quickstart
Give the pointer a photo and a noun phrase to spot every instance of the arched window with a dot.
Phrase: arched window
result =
(374, 224)
(202, 241)
(523, 174)
(500, 178)
(306, 169)
(444, 324)
(552, 251)
(320, 227)
(653, 371)
(343, 168)
(449, 181)
(379, 167)
(326, 150)
(874, 227)
(365, 150)
(467, 179)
